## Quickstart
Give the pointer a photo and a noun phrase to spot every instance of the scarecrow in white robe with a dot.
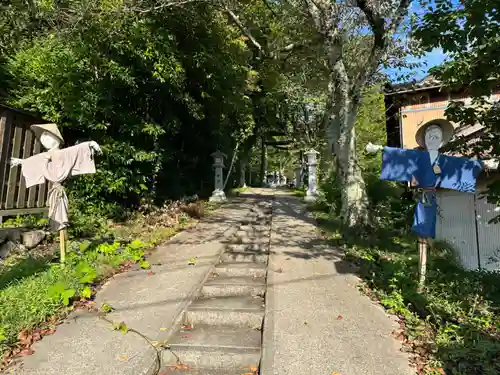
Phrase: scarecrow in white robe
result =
(428, 170)
(55, 166)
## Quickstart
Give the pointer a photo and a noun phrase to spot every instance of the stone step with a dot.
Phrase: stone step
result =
(244, 256)
(234, 286)
(256, 247)
(241, 269)
(216, 347)
(179, 370)
(242, 311)
(217, 336)
(218, 360)
(255, 228)
(249, 240)
(258, 240)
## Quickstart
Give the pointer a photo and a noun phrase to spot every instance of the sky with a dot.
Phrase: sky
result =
(431, 59)
(434, 58)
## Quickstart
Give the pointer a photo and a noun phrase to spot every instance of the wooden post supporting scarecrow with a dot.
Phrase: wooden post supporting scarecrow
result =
(56, 165)
(426, 171)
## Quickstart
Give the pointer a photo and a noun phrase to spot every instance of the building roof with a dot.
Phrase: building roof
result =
(429, 82)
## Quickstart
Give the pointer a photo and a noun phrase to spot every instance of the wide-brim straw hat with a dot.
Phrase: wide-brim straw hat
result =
(446, 127)
(38, 129)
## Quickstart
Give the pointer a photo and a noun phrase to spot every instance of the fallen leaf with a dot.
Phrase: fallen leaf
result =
(123, 358)
(398, 335)
(163, 329)
(25, 352)
(150, 273)
(48, 332)
(186, 336)
(253, 369)
(340, 317)
(179, 366)
(336, 373)
(37, 336)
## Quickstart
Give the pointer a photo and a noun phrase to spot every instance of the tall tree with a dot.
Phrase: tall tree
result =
(469, 33)
(159, 90)
(348, 41)
(357, 37)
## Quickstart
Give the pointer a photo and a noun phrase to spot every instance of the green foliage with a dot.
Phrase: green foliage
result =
(26, 221)
(456, 321)
(469, 33)
(159, 94)
(122, 327)
(28, 301)
(59, 293)
(106, 308)
(3, 337)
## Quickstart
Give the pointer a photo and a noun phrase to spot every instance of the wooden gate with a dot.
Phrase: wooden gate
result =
(17, 140)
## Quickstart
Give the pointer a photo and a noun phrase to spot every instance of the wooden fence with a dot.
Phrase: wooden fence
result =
(18, 141)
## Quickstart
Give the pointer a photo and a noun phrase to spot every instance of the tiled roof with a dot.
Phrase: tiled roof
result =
(426, 83)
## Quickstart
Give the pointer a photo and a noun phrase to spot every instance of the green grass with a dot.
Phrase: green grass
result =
(454, 324)
(299, 192)
(238, 191)
(28, 302)
(33, 290)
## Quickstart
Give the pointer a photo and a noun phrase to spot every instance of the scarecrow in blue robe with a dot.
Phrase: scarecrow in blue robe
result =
(417, 168)
(428, 170)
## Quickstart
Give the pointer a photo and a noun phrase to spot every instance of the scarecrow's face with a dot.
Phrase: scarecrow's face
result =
(433, 137)
(49, 141)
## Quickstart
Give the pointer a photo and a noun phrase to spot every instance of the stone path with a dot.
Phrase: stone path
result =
(221, 331)
(316, 321)
(86, 345)
(265, 293)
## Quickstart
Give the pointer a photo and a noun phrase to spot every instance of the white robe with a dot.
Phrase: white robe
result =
(55, 166)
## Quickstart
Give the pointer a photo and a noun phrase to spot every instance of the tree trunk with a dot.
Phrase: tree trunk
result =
(354, 200)
(243, 167)
(342, 109)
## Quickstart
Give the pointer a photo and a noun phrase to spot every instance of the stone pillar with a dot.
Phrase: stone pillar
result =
(312, 191)
(298, 176)
(218, 194)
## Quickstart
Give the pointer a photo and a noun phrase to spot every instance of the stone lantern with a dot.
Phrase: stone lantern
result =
(218, 193)
(312, 161)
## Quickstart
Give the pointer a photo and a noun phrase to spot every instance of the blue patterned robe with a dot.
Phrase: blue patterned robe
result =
(456, 173)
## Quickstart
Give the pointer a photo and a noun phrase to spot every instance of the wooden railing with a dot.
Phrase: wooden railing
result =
(17, 140)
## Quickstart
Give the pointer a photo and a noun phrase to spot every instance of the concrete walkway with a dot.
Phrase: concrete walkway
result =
(316, 321)
(149, 303)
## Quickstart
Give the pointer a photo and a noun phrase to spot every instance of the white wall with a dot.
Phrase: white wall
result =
(456, 224)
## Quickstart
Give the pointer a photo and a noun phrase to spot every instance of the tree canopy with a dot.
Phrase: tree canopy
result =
(161, 85)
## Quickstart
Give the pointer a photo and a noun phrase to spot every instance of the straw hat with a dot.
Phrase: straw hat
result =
(446, 127)
(38, 129)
